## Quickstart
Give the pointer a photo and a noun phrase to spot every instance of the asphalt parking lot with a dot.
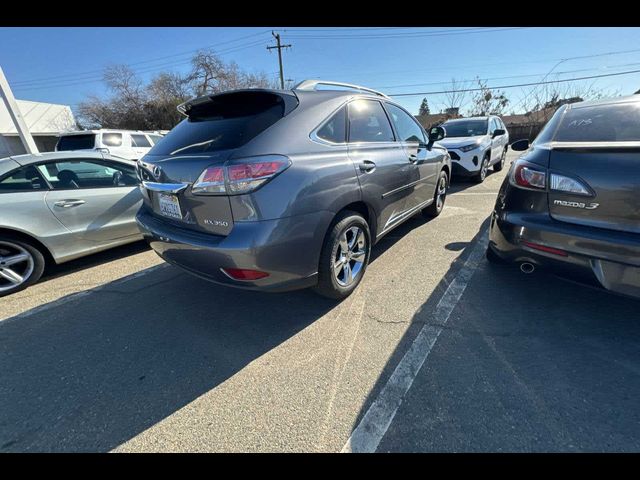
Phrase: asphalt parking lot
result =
(122, 352)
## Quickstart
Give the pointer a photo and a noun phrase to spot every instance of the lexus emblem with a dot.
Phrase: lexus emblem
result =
(157, 171)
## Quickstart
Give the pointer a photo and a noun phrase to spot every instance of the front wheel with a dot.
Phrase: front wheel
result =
(498, 166)
(21, 265)
(439, 197)
(344, 257)
(484, 167)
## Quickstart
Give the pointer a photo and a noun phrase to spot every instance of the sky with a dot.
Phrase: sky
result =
(64, 64)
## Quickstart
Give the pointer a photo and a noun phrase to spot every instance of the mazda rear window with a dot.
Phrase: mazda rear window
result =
(602, 123)
(76, 142)
(227, 121)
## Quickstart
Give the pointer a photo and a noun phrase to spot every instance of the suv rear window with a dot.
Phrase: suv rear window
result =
(76, 142)
(228, 121)
(602, 123)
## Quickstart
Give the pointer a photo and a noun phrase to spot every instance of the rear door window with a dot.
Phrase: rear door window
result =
(368, 122)
(25, 179)
(155, 138)
(76, 142)
(601, 123)
(140, 141)
(78, 174)
(112, 139)
(228, 121)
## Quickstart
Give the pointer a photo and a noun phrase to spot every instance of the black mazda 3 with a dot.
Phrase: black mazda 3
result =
(571, 203)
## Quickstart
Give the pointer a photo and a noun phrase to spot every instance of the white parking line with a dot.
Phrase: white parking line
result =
(374, 424)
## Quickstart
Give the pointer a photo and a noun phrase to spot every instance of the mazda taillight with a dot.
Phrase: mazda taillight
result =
(528, 175)
(239, 176)
(561, 183)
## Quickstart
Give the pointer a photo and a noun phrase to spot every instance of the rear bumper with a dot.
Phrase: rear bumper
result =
(596, 256)
(288, 249)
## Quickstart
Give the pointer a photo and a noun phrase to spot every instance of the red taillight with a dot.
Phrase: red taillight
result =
(244, 274)
(544, 248)
(213, 174)
(239, 176)
(528, 175)
(253, 170)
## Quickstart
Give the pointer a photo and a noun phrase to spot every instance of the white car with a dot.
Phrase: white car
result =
(475, 144)
(127, 144)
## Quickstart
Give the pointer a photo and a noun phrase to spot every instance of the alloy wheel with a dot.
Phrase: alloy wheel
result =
(16, 266)
(350, 256)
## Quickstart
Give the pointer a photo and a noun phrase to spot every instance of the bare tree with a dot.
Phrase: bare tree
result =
(454, 97)
(132, 104)
(488, 101)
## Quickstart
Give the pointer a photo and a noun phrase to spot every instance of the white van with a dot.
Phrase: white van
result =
(127, 144)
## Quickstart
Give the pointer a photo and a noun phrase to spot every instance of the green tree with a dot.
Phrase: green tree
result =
(424, 108)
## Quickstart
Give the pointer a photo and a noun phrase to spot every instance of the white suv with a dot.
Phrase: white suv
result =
(475, 144)
(127, 144)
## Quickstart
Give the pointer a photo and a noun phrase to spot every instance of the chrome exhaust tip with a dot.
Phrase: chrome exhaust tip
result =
(526, 267)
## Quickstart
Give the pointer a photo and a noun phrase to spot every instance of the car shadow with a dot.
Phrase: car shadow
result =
(96, 370)
(54, 271)
(525, 363)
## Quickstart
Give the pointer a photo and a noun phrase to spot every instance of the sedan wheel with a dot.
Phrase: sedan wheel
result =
(20, 266)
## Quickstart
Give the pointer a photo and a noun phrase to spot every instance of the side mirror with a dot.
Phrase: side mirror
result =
(497, 132)
(520, 145)
(436, 134)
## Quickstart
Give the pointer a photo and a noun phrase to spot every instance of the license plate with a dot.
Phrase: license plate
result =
(169, 206)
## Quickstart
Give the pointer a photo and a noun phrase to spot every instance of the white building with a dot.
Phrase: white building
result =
(44, 120)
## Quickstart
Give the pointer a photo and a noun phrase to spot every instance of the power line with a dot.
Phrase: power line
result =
(100, 78)
(512, 86)
(507, 77)
(400, 35)
(76, 74)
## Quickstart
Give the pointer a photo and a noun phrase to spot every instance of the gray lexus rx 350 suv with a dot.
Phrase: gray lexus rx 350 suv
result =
(284, 189)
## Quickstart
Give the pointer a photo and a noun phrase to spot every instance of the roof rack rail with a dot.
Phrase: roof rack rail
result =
(312, 84)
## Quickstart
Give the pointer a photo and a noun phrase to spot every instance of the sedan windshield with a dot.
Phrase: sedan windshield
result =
(470, 128)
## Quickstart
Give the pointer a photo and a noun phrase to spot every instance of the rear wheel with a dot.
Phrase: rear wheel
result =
(484, 167)
(439, 197)
(344, 257)
(21, 265)
(498, 166)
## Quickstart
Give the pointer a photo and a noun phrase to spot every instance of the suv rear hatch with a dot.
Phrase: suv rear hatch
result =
(216, 127)
(598, 147)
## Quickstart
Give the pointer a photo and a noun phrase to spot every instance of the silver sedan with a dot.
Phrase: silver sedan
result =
(60, 206)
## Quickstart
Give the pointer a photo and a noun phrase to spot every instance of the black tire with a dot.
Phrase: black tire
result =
(484, 167)
(329, 282)
(492, 257)
(31, 269)
(439, 198)
(500, 165)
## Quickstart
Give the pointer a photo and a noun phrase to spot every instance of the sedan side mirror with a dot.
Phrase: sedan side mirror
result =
(520, 145)
(497, 132)
(436, 134)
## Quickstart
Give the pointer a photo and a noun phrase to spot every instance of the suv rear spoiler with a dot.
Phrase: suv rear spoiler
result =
(289, 98)
(311, 85)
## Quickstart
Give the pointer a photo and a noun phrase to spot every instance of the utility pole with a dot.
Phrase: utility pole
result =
(279, 47)
(16, 116)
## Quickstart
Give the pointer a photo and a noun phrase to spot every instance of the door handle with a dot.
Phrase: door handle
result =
(69, 203)
(413, 158)
(367, 166)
